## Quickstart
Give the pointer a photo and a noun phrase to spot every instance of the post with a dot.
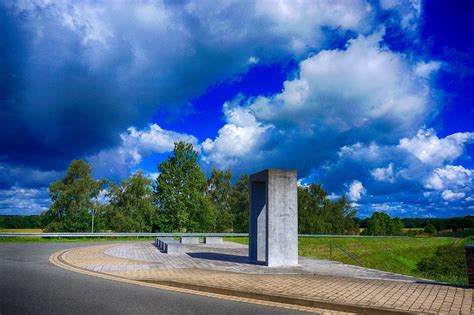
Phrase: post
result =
(470, 263)
(93, 214)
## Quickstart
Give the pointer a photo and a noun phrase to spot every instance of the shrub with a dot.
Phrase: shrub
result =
(448, 262)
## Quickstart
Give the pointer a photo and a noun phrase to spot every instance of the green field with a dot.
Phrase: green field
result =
(399, 255)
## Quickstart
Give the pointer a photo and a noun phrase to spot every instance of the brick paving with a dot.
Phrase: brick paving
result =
(234, 257)
(408, 295)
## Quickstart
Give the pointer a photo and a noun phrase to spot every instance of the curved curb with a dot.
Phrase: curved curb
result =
(273, 300)
(57, 260)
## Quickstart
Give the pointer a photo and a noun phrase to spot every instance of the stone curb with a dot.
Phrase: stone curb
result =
(239, 295)
(334, 306)
(57, 260)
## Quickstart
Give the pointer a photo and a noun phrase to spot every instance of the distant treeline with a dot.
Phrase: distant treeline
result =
(20, 222)
(183, 199)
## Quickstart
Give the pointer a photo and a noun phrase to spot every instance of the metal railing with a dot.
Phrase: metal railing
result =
(354, 257)
(21, 234)
(99, 234)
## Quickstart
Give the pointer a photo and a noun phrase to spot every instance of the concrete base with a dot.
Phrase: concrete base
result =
(189, 240)
(174, 247)
(273, 218)
(213, 240)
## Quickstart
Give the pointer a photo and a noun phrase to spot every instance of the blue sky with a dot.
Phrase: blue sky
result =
(372, 99)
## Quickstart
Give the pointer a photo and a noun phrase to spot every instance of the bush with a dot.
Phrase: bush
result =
(447, 264)
(430, 229)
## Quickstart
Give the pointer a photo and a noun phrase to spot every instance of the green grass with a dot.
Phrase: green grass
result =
(34, 239)
(399, 255)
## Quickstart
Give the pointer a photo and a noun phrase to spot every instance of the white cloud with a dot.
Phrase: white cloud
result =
(450, 177)
(426, 69)
(449, 195)
(352, 88)
(237, 139)
(153, 140)
(356, 191)
(430, 149)
(136, 144)
(17, 200)
(384, 174)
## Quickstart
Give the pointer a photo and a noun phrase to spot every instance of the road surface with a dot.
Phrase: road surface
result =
(29, 284)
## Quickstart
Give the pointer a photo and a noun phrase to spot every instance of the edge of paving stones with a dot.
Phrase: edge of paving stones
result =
(219, 292)
(57, 260)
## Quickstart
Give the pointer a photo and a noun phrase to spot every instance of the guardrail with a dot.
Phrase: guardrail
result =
(59, 235)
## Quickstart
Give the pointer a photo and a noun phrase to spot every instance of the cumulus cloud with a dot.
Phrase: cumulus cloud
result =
(384, 174)
(339, 102)
(449, 195)
(430, 149)
(449, 177)
(356, 191)
(117, 162)
(242, 136)
(357, 87)
(17, 200)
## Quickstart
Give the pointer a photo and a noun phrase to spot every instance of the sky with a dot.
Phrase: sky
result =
(372, 99)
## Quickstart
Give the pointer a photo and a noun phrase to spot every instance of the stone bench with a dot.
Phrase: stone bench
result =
(189, 240)
(213, 240)
(160, 242)
(170, 246)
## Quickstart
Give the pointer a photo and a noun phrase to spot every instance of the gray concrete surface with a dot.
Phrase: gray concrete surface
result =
(274, 217)
(233, 257)
(29, 284)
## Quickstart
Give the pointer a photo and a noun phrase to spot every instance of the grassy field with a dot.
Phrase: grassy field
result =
(399, 255)
(30, 239)
(22, 230)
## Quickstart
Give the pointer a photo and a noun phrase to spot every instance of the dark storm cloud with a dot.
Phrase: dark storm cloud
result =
(76, 74)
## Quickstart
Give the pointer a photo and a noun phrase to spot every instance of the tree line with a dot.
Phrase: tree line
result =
(180, 199)
(183, 199)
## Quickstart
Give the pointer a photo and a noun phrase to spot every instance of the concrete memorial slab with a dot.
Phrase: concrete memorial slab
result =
(189, 240)
(273, 218)
(213, 240)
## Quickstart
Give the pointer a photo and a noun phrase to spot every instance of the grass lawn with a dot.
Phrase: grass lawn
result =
(399, 255)
(30, 239)
(22, 230)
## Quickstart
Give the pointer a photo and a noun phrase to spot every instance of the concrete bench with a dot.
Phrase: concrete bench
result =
(189, 240)
(174, 247)
(213, 240)
(160, 242)
(169, 245)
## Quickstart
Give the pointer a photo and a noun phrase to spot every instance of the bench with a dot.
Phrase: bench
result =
(160, 242)
(189, 240)
(213, 240)
(169, 245)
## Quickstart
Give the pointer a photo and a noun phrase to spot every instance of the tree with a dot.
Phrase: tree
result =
(180, 193)
(317, 214)
(430, 229)
(131, 206)
(396, 226)
(240, 204)
(219, 192)
(378, 224)
(73, 199)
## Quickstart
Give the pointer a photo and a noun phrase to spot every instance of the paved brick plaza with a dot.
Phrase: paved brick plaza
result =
(225, 267)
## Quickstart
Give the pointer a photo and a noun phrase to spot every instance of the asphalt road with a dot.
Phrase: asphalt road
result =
(29, 284)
